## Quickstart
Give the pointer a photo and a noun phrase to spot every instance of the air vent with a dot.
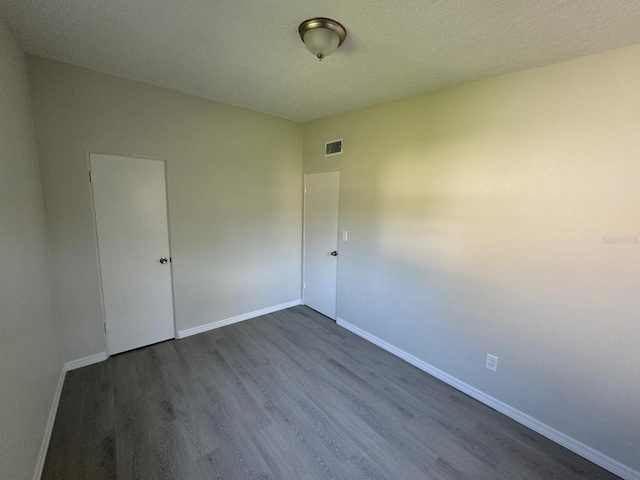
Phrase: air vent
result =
(334, 147)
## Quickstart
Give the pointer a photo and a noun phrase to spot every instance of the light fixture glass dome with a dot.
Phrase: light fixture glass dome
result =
(321, 42)
(322, 36)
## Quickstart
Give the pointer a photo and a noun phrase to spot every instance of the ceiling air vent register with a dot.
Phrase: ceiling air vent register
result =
(334, 147)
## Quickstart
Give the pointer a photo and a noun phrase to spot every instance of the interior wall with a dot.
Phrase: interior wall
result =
(30, 350)
(234, 190)
(503, 217)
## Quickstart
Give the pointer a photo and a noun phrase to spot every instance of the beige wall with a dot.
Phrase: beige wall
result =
(30, 351)
(480, 220)
(234, 188)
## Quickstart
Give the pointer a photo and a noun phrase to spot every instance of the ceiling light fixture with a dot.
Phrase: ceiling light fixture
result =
(322, 36)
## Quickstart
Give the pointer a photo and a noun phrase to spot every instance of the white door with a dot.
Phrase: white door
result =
(321, 203)
(133, 240)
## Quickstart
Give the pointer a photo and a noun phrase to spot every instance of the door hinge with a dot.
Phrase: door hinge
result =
(90, 181)
(105, 327)
(305, 190)
(304, 285)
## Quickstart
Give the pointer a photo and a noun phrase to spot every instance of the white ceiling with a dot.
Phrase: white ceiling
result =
(248, 52)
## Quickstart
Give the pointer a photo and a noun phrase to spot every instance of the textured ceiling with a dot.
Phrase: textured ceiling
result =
(248, 53)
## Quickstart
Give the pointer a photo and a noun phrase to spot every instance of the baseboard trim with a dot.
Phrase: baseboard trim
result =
(44, 446)
(83, 362)
(238, 318)
(566, 441)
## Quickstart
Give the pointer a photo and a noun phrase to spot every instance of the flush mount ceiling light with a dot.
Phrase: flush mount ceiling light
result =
(322, 36)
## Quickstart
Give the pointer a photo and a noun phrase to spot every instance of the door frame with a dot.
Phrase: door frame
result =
(304, 229)
(96, 245)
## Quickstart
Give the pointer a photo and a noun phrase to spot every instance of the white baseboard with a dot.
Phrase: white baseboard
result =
(44, 446)
(83, 362)
(566, 441)
(238, 318)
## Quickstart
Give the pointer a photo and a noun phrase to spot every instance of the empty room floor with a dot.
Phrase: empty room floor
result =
(289, 395)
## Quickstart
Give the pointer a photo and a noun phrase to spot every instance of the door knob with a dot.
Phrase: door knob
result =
(334, 254)
(163, 260)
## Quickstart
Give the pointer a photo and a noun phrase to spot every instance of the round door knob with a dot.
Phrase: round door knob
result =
(334, 254)
(163, 260)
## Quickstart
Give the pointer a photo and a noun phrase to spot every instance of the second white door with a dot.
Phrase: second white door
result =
(133, 242)
(321, 206)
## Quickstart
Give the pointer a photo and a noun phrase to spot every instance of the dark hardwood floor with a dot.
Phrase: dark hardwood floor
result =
(286, 396)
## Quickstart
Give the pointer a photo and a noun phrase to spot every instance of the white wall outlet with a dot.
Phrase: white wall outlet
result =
(492, 362)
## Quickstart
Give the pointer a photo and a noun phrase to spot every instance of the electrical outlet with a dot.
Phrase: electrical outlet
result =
(492, 362)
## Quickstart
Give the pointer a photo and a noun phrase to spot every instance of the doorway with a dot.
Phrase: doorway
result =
(321, 210)
(130, 202)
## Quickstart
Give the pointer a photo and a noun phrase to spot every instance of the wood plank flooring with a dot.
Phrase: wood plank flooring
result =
(288, 395)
